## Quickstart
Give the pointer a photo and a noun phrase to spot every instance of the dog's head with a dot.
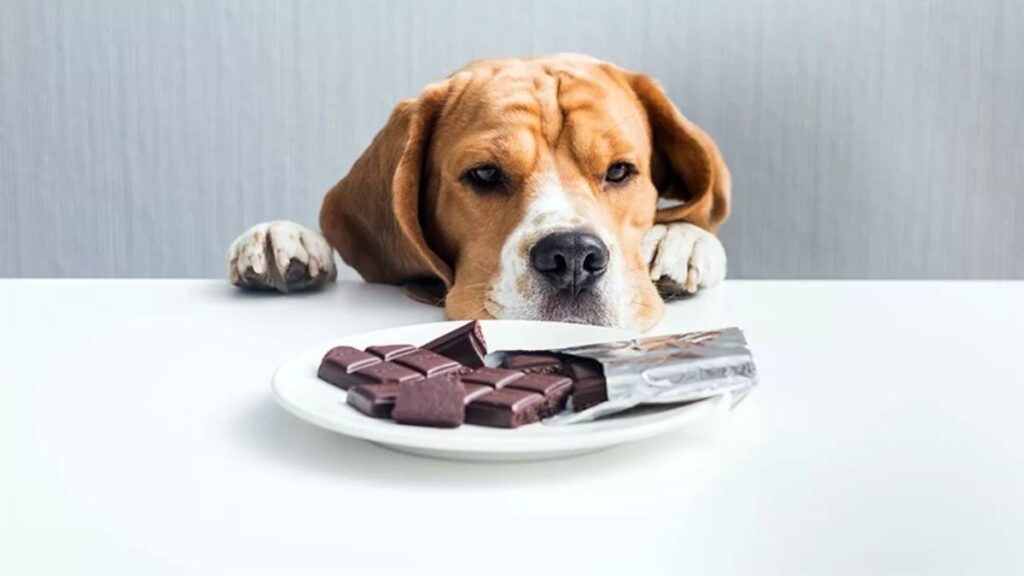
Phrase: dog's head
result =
(523, 188)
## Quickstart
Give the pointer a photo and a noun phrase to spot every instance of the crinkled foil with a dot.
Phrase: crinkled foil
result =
(666, 370)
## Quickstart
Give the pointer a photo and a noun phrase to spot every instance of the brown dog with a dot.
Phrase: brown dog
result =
(520, 188)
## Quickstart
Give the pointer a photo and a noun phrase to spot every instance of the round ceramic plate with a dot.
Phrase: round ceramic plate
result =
(297, 389)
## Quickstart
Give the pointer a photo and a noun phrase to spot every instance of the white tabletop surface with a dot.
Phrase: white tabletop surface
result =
(138, 434)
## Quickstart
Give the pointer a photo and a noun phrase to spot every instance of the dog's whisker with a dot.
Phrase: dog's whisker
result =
(477, 311)
(476, 263)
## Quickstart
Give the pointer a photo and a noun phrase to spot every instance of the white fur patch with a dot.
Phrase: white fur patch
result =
(517, 291)
(687, 255)
(288, 240)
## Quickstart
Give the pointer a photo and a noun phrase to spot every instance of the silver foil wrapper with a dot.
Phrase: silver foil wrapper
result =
(666, 370)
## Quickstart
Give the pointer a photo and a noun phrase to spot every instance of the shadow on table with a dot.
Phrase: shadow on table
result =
(356, 290)
(267, 429)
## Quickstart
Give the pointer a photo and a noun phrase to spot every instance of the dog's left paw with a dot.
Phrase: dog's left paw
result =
(683, 258)
(282, 256)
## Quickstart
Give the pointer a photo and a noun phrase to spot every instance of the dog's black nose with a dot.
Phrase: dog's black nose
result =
(571, 261)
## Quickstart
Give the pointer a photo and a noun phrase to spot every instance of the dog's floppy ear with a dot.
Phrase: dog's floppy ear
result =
(686, 165)
(372, 217)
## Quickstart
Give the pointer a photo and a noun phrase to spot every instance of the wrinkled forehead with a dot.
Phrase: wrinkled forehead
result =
(525, 113)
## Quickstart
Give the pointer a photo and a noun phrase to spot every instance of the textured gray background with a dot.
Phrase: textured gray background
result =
(866, 139)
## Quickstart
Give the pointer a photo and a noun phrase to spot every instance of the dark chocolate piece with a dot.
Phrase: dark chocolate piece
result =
(337, 376)
(437, 401)
(555, 390)
(374, 400)
(465, 345)
(505, 408)
(533, 363)
(493, 377)
(589, 387)
(387, 372)
(341, 362)
(588, 393)
(474, 391)
(427, 363)
(391, 351)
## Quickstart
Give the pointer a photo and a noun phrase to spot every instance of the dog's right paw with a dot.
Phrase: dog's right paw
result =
(683, 258)
(282, 256)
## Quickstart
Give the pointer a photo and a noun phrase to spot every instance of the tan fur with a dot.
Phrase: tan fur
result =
(403, 214)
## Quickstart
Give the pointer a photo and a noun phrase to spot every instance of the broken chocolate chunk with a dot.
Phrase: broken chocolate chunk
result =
(465, 345)
(438, 401)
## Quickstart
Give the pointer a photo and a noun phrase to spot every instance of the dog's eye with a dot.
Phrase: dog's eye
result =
(618, 173)
(486, 176)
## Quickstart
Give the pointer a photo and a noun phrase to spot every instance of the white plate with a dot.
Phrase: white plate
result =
(297, 389)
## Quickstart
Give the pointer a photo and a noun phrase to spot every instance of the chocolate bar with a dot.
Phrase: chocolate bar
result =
(437, 401)
(428, 387)
(373, 377)
(615, 376)
(340, 364)
(465, 345)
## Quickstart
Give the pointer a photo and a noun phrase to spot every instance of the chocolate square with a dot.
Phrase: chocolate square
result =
(505, 408)
(437, 401)
(587, 393)
(590, 387)
(349, 358)
(580, 368)
(542, 383)
(341, 362)
(474, 391)
(555, 390)
(391, 351)
(533, 363)
(374, 400)
(427, 363)
(387, 372)
(493, 377)
(465, 345)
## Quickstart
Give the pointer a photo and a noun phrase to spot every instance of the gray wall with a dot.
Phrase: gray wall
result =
(867, 139)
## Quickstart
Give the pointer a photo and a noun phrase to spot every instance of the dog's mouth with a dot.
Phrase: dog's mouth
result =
(555, 305)
(587, 307)
(537, 297)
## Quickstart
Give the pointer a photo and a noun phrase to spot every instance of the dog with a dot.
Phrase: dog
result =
(558, 188)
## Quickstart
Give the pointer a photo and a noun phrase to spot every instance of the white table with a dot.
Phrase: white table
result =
(138, 434)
